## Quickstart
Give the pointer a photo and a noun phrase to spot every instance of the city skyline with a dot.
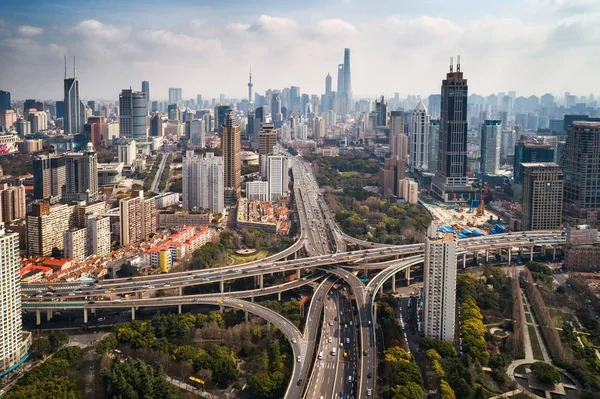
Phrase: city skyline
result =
(283, 45)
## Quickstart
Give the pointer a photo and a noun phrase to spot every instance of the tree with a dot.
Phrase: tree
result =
(57, 339)
(545, 373)
(446, 391)
(56, 253)
(261, 384)
(411, 390)
(41, 347)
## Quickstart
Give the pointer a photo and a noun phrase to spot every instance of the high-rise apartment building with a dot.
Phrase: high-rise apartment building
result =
(14, 345)
(267, 140)
(230, 147)
(137, 218)
(8, 118)
(490, 147)
(450, 182)
(432, 144)
(581, 163)
(439, 284)
(75, 243)
(419, 137)
(12, 203)
(542, 201)
(277, 176)
(45, 228)
(391, 174)
(133, 112)
(319, 128)
(203, 182)
(81, 175)
(258, 190)
(38, 120)
(49, 176)
(23, 127)
(195, 133)
(98, 234)
(175, 95)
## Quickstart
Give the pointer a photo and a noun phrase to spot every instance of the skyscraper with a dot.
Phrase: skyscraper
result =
(74, 108)
(267, 140)
(49, 176)
(137, 217)
(81, 175)
(542, 201)
(133, 109)
(450, 182)
(347, 81)
(4, 100)
(433, 105)
(432, 144)
(230, 146)
(203, 182)
(419, 136)
(195, 132)
(175, 95)
(490, 147)
(45, 228)
(439, 284)
(13, 345)
(530, 151)
(340, 80)
(146, 89)
(276, 114)
(581, 163)
(318, 128)
(327, 84)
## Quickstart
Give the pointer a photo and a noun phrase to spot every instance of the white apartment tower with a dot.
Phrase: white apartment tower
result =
(419, 135)
(439, 284)
(127, 153)
(203, 182)
(13, 346)
(277, 176)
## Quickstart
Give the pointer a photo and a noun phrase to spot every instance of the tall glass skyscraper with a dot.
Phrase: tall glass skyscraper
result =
(146, 89)
(74, 109)
(132, 114)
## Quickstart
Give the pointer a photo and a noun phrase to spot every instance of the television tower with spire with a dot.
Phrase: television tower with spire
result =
(250, 84)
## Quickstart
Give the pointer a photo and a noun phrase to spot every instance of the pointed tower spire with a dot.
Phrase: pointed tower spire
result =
(458, 63)
(451, 64)
(65, 67)
(74, 74)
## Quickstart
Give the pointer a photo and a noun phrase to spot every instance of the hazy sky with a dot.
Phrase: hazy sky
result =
(207, 46)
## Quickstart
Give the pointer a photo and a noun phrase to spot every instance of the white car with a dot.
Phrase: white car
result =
(294, 340)
(368, 391)
(299, 359)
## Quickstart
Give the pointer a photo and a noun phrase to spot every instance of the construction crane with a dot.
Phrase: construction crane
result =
(481, 206)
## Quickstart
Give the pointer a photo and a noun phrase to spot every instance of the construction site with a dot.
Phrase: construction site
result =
(471, 219)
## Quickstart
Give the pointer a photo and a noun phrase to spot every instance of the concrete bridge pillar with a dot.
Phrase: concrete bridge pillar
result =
(298, 274)
(49, 314)
(554, 252)
(374, 313)
(295, 255)
(465, 260)
(393, 283)
(38, 319)
(279, 296)
(531, 254)
(221, 309)
(85, 318)
(268, 326)
(180, 291)
(93, 310)
(179, 309)
(407, 275)
(509, 255)
(475, 256)
(222, 284)
(133, 313)
(261, 281)
(487, 256)
(381, 290)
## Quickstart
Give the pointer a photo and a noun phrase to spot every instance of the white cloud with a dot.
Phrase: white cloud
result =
(237, 27)
(27, 30)
(336, 27)
(267, 23)
(179, 42)
(92, 29)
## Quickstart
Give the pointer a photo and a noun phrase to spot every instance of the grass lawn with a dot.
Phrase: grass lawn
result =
(350, 174)
(239, 259)
(535, 344)
(528, 318)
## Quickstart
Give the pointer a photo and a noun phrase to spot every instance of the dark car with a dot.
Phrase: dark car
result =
(365, 352)
(369, 375)
(299, 382)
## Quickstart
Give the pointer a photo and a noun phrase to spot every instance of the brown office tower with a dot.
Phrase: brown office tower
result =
(230, 146)
(267, 140)
(541, 205)
(581, 163)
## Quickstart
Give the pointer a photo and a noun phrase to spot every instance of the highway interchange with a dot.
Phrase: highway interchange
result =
(353, 374)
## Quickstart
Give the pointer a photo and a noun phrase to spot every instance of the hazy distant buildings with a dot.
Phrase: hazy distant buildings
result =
(175, 95)
(318, 128)
(433, 105)
(490, 147)
(542, 201)
(439, 284)
(203, 182)
(231, 147)
(276, 114)
(133, 110)
(146, 90)
(4, 100)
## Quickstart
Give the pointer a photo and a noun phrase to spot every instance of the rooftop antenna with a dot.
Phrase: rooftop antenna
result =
(458, 63)
(65, 67)
(74, 75)
(451, 64)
